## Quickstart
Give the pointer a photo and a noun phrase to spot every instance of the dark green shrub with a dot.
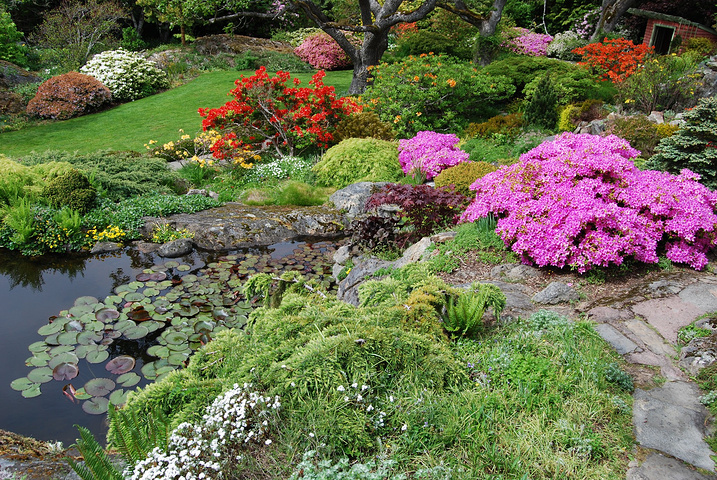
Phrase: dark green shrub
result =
(72, 189)
(359, 160)
(68, 95)
(425, 41)
(639, 131)
(570, 86)
(541, 109)
(463, 175)
(433, 92)
(509, 124)
(131, 40)
(523, 69)
(118, 175)
(362, 125)
(693, 146)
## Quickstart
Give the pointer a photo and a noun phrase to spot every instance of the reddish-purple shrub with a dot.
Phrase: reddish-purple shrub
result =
(68, 95)
(579, 201)
(322, 52)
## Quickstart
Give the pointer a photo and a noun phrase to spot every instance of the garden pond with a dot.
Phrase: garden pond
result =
(77, 332)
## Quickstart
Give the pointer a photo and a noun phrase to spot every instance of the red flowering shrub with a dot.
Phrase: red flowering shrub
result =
(69, 95)
(322, 52)
(265, 111)
(614, 60)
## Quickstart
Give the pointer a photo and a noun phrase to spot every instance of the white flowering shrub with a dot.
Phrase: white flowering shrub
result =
(235, 419)
(128, 75)
(563, 45)
(296, 168)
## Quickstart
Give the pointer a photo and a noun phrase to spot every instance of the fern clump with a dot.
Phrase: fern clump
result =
(359, 160)
(463, 315)
(463, 175)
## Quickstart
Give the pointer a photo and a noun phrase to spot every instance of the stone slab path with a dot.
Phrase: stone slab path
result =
(670, 422)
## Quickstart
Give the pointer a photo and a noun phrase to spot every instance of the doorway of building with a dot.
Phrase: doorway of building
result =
(661, 39)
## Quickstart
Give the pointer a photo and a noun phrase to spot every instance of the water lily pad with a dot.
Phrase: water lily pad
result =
(183, 268)
(88, 338)
(158, 276)
(134, 333)
(65, 371)
(50, 328)
(174, 338)
(143, 277)
(66, 357)
(40, 346)
(74, 326)
(153, 326)
(40, 375)
(81, 394)
(96, 405)
(40, 359)
(134, 297)
(99, 387)
(177, 358)
(139, 314)
(166, 369)
(171, 264)
(118, 397)
(191, 278)
(123, 289)
(106, 315)
(112, 300)
(120, 365)
(32, 392)
(54, 351)
(151, 292)
(97, 356)
(149, 371)
(20, 384)
(67, 338)
(86, 301)
(123, 325)
(80, 310)
(129, 379)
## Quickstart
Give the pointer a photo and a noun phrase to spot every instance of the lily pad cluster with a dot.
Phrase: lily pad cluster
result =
(161, 318)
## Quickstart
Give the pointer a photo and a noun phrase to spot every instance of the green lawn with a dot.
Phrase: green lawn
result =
(131, 125)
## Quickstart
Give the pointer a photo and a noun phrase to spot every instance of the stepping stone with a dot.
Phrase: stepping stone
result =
(619, 342)
(703, 296)
(668, 314)
(660, 467)
(671, 420)
(650, 338)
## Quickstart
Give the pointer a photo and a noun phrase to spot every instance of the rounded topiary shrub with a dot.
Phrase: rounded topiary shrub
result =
(69, 95)
(71, 189)
(362, 125)
(359, 160)
(128, 75)
(463, 175)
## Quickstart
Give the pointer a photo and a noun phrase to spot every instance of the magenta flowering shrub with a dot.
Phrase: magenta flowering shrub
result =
(322, 52)
(579, 201)
(430, 153)
(524, 42)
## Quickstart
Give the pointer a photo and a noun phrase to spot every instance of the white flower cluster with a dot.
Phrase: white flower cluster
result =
(128, 75)
(564, 43)
(235, 418)
(281, 168)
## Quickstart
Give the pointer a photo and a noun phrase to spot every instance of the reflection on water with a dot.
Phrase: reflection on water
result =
(32, 290)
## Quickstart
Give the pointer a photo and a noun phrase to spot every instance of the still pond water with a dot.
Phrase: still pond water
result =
(33, 290)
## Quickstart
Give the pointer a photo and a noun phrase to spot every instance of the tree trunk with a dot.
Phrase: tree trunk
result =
(369, 54)
(611, 12)
(183, 33)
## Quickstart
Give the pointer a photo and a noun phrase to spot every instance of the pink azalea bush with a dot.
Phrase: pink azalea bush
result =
(430, 153)
(579, 201)
(524, 42)
(322, 52)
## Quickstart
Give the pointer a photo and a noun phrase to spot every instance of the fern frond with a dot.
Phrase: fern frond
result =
(97, 464)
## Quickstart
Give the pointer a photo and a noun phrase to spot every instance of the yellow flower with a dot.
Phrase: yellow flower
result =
(184, 137)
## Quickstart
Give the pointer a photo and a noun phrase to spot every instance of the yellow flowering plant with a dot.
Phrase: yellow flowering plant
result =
(111, 233)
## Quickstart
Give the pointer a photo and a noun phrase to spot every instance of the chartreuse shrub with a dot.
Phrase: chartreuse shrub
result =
(358, 160)
(68, 95)
(362, 125)
(463, 175)
(528, 400)
(693, 146)
(11, 47)
(432, 92)
(504, 124)
(579, 201)
(128, 75)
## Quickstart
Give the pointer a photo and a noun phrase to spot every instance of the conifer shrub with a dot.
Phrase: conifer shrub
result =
(68, 95)
(693, 146)
(524, 69)
(363, 124)
(541, 109)
(463, 175)
(504, 124)
(71, 189)
(641, 133)
(359, 160)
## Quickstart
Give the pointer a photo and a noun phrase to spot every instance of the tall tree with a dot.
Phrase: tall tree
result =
(376, 20)
(611, 13)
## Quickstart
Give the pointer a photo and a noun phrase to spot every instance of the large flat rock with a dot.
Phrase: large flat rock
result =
(660, 467)
(668, 314)
(235, 226)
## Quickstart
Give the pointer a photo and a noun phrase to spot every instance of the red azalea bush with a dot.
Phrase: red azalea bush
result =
(322, 52)
(579, 201)
(615, 59)
(267, 112)
(69, 95)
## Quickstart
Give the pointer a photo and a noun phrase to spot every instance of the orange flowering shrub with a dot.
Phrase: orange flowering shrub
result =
(68, 95)
(614, 60)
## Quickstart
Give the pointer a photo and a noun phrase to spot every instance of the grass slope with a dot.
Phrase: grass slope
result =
(131, 125)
